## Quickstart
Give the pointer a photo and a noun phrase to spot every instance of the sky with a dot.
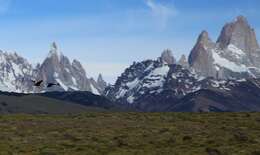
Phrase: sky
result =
(107, 36)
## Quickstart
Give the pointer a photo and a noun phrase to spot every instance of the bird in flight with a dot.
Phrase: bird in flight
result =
(37, 83)
(52, 84)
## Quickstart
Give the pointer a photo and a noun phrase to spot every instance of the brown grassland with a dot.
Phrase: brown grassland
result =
(131, 133)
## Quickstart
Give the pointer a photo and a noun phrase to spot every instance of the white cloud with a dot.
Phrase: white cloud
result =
(162, 12)
(4, 6)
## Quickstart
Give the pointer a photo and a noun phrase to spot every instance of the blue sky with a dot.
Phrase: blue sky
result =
(108, 35)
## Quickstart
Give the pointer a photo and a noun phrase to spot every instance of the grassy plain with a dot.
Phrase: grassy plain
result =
(131, 133)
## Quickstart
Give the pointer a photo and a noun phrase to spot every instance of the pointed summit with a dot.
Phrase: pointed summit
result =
(54, 47)
(200, 49)
(200, 55)
(183, 61)
(79, 69)
(240, 34)
(241, 19)
(54, 51)
(101, 82)
(100, 77)
(71, 76)
(204, 38)
(167, 57)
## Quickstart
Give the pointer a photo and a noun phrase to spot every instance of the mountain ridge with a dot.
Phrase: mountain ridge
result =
(217, 76)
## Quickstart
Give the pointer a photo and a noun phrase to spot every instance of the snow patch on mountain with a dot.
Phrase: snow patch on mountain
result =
(130, 99)
(62, 84)
(74, 81)
(133, 83)
(236, 51)
(223, 62)
(94, 90)
(157, 77)
(121, 93)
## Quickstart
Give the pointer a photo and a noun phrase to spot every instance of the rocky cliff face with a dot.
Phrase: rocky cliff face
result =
(236, 53)
(201, 56)
(240, 34)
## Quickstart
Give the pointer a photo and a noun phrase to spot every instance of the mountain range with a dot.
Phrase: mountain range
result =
(216, 76)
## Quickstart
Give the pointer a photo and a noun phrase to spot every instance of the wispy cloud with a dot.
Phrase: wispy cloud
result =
(4, 6)
(162, 12)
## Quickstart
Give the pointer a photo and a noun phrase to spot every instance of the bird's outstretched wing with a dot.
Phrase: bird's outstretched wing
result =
(39, 82)
(52, 84)
(49, 85)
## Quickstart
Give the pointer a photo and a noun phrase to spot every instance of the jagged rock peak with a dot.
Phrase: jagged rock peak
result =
(78, 67)
(54, 46)
(101, 82)
(76, 63)
(204, 38)
(240, 34)
(183, 61)
(100, 77)
(199, 50)
(241, 19)
(183, 58)
(200, 57)
(54, 50)
(167, 57)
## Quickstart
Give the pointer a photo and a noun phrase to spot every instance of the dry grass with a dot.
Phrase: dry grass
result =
(131, 133)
